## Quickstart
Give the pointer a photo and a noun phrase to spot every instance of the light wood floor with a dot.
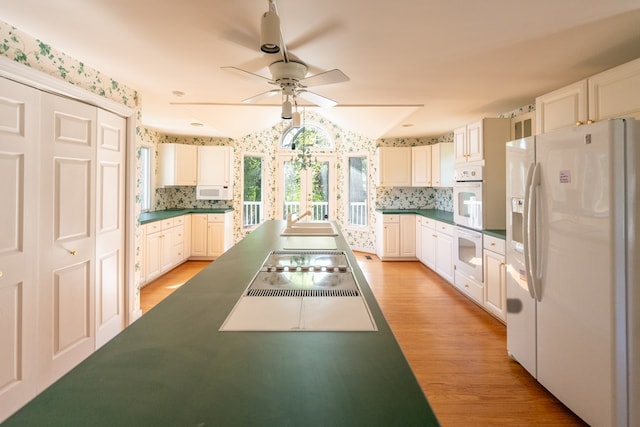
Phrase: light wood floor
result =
(456, 350)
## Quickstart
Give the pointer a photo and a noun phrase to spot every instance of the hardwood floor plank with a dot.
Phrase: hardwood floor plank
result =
(455, 348)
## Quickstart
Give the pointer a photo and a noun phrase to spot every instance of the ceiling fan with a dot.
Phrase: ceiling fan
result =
(289, 75)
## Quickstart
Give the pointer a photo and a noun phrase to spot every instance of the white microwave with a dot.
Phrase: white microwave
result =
(214, 192)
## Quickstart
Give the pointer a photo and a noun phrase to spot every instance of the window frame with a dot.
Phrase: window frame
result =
(150, 178)
(262, 158)
(347, 186)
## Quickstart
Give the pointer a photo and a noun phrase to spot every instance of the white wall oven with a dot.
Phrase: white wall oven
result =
(467, 246)
(467, 197)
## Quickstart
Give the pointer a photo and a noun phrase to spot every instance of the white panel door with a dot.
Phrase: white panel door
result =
(110, 197)
(19, 112)
(67, 241)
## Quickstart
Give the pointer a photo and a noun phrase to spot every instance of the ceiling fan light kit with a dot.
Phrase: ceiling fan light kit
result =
(270, 33)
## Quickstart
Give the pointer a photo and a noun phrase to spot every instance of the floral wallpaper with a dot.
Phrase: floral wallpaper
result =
(34, 53)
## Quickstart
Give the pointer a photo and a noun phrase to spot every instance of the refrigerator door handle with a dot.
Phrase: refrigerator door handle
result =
(527, 224)
(532, 232)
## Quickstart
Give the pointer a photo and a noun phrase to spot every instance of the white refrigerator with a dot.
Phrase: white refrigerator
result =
(573, 291)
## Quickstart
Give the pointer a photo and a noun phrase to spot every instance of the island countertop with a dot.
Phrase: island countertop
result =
(173, 367)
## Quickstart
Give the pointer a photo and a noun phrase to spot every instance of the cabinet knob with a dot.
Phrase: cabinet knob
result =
(74, 253)
(1, 273)
(589, 121)
(579, 123)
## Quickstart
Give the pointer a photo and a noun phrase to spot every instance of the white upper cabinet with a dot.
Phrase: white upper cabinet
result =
(481, 141)
(421, 166)
(177, 164)
(432, 165)
(215, 165)
(611, 94)
(394, 166)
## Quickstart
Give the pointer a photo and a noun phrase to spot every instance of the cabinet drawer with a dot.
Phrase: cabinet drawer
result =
(179, 220)
(166, 223)
(444, 228)
(215, 217)
(494, 244)
(429, 223)
(178, 234)
(469, 287)
(391, 219)
(152, 227)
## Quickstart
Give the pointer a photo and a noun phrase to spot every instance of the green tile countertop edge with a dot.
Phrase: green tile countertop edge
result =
(174, 367)
(500, 234)
(437, 214)
(147, 217)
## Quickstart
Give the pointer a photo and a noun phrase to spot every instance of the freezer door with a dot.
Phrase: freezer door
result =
(521, 307)
(575, 250)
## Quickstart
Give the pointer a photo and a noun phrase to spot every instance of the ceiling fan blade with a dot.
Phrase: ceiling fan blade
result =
(261, 96)
(246, 73)
(326, 78)
(314, 98)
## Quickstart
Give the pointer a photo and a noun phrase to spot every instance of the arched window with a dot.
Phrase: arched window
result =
(310, 136)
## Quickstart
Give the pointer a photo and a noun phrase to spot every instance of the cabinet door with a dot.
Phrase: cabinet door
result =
(391, 240)
(153, 255)
(564, 107)
(199, 235)
(418, 237)
(214, 165)
(444, 256)
(495, 284)
(475, 142)
(429, 247)
(460, 145)
(421, 166)
(215, 239)
(407, 236)
(442, 162)
(615, 92)
(394, 166)
(185, 164)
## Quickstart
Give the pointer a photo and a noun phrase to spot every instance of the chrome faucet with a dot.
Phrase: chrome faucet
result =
(291, 221)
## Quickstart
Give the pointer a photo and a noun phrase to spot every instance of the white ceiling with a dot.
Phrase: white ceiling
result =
(456, 60)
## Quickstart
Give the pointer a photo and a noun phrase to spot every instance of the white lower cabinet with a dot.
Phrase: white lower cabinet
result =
(437, 247)
(396, 236)
(211, 235)
(494, 297)
(444, 250)
(164, 246)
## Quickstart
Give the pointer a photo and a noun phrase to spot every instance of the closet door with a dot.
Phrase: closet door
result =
(67, 238)
(19, 113)
(110, 188)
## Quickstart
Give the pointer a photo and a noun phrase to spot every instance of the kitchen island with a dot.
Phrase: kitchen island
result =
(174, 367)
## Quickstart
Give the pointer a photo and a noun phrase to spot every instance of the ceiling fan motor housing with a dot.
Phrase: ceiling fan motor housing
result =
(288, 73)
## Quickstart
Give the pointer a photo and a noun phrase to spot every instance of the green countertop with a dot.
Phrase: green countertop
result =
(147, 217)
(437, 214)
(173, 367)
(440, 215)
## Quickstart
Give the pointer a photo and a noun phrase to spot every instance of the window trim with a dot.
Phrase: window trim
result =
(152, 176)
(263, 158)
(329, 149)
(346, 183)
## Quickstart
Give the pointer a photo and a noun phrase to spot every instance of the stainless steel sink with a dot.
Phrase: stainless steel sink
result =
(310, 229)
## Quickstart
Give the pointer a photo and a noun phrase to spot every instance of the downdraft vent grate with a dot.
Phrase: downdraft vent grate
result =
(303, 293)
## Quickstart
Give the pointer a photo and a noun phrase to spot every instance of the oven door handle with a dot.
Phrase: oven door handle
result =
(470, 234)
